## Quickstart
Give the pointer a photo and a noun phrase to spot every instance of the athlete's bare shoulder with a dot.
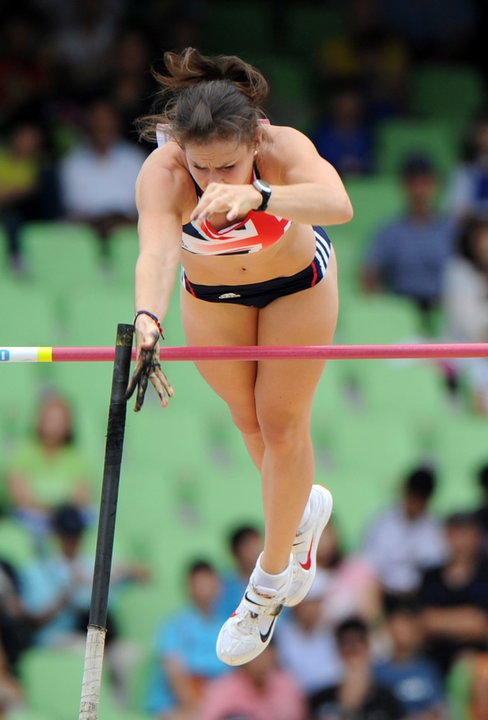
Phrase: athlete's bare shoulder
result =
(164, 175)
(283, 147)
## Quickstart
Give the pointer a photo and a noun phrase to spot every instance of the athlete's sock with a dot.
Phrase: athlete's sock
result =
(305, 517)
(265, 581)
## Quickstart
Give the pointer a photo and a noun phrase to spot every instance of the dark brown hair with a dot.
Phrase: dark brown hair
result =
(207, 99)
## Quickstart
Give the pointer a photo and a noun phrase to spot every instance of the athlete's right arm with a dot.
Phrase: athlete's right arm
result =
(159, 203)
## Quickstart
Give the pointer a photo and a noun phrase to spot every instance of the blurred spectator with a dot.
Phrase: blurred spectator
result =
(412, 678)
(10, 690)
(184, 646)
(48, 470)
(352, 582)
(454, 595)
(345, 139)
(98, 177)
(56, 592)
(468, 191)
(477, 667)
(367, 51)
(15, 635)
(405, 539)
(259, 690)
(481, 514)
(25, 74)
(28, 186)
(440, 29)
(408, 255)
(465, 302)
(306, 645)
(358, 695)
(130, 84)
(245, 544)
(83, 38)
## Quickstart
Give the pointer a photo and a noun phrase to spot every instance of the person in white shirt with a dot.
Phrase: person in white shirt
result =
(306, 644)
(404, 540)
(465, 302)
(98, 176)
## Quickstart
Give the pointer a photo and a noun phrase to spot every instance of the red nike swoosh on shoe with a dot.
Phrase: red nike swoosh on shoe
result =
(308, 564)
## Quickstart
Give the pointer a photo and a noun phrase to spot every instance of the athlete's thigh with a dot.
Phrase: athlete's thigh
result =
(207, 323)
(285, 388)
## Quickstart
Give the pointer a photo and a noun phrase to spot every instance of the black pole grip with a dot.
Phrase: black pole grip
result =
(111, 475)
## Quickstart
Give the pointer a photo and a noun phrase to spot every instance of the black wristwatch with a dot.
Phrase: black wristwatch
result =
(265, 189)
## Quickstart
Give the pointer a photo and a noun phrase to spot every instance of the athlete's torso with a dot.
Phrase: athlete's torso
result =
(257, 231)
(257, 248)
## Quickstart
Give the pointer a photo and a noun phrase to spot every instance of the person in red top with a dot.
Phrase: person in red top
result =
(258, 691)
(263, 191)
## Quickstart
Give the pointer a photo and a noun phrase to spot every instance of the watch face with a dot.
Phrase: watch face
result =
(263, 185)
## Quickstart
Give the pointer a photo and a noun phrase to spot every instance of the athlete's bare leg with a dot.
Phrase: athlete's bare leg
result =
(270, 401)
(283, 393)
(228, 325)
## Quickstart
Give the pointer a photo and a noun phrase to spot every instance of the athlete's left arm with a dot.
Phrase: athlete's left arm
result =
(311, 191)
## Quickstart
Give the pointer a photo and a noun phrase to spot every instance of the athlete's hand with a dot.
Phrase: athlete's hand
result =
(234, 200)
(147, 365)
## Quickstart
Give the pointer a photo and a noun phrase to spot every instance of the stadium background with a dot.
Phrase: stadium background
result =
(186, 479)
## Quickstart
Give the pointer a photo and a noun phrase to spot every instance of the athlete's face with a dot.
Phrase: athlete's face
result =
(220, 161)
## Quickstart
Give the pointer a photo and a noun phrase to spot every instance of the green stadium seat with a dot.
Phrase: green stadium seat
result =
(92, 316)
(29, 315)
(440, 91)
(61, 256)
(378, 319)
(124, 247)
(369, 458)
(291, 92)
(375, 200)
(405, 388)
(460, 450)
(25, 714)
(396, 139)
(16, 544)
(21, 385)
(52, 681)
(459, 684)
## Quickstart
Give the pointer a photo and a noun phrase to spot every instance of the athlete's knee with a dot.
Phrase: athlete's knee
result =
(246, 421)
(282, 428)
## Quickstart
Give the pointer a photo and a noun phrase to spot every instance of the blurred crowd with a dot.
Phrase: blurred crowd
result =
(396, 629)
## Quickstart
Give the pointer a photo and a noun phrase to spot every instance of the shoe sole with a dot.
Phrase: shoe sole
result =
(328, 503)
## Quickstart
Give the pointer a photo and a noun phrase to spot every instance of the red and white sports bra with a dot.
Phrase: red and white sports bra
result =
(258, 230)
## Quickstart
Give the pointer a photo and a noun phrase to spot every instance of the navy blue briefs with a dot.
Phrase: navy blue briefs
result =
(261, 294)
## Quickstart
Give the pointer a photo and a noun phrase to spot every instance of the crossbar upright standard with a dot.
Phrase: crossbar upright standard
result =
(97, 623)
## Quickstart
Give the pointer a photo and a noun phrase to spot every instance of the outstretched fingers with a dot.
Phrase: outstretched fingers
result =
(141, 391)
(161, 385)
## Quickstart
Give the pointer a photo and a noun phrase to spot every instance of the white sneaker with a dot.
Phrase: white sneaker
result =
(304, 548)
(250, 628)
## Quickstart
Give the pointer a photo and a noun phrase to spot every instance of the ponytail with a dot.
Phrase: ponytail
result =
(207, 98)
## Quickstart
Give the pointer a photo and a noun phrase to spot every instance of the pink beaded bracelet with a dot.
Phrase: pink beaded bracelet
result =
(153, 317)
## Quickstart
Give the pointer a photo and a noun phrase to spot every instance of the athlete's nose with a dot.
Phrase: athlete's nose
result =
(215, 176)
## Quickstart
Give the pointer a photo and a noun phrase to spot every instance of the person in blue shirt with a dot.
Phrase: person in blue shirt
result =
(184, 649)
(345, 140)
(407, 256)
(410, 676)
